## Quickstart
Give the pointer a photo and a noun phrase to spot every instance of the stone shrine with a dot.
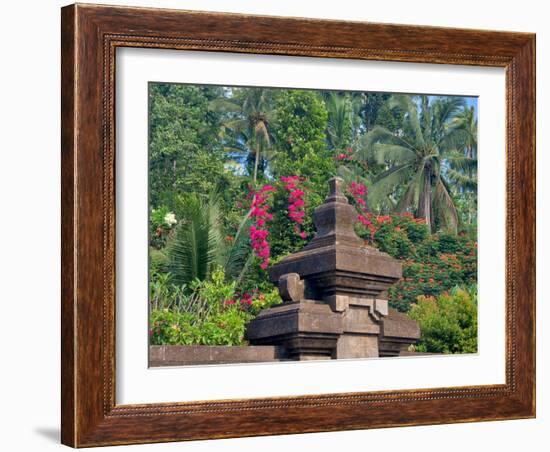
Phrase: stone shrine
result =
(334, 294)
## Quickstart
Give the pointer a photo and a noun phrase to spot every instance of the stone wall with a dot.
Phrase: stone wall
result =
(180, 355)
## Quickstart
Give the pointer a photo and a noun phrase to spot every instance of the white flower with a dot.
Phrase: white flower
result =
(170, 219)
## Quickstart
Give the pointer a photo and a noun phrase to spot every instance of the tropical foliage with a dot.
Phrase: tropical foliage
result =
(235, 174)
(246, 128)
(448, 322)
(211, 312)
(432, 263)
(413, 158)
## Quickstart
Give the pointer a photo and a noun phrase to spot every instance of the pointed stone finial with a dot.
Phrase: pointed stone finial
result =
(334, 218)
(336, 193)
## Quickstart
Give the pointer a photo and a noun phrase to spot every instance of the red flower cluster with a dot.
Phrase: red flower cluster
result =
(358, 191)
(381, 219)
(296, 202)
(375, 222)
(411, 216)
(258, 231)
(345, 155)
(244, 302)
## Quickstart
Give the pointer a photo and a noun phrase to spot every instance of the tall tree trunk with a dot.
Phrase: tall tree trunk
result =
(470, 153)
(425, 199)
(256, 161)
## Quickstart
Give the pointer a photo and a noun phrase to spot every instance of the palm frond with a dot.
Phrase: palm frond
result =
(463, 130)
(446, 107)
(236, 125)
(392, 153)
(460, 161)
(464, 181)
(237, 256)
(224, 105)
(406, 104)
(339, 110)
(378, 134)
(238, 253)
(353, 174)
(426, 117)
(409, 201)
(384, 185)
(454, 140)
(197, 241)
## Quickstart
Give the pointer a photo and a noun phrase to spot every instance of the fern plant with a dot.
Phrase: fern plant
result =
(197, 246)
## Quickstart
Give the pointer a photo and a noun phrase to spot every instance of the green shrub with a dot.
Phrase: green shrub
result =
(448, 322)
(210, 312)
(215, 291)
(182, 328)
(264, 300)
(158, 260)
(396, 243)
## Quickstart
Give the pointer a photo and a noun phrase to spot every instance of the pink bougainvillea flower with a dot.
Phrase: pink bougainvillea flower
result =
(296, 201)
(358, 192)
(259, 212)
(261, 215)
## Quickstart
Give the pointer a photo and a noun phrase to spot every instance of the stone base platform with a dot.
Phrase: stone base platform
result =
(185, 355)
(397, 333)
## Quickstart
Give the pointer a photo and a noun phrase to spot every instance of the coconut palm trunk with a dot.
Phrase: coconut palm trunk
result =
(256, 162)
(425, 200)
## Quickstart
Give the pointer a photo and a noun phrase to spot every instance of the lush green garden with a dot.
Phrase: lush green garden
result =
(235, 174)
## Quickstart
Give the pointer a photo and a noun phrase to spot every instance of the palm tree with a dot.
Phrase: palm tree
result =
(413, 159)
(464, 124)
(247, 128)
(344, 117)
(198, 245)
(462, 163)
(339, 119)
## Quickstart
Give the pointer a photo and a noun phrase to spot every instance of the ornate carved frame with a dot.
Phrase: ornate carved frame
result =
(90, 36)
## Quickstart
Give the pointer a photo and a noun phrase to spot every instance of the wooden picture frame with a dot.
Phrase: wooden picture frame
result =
(90, 36)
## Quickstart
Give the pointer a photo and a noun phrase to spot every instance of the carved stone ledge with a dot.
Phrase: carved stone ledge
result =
(307, 329)
(397, 333)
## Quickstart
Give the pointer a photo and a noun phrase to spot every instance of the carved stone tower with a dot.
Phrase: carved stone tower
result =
(334, 291)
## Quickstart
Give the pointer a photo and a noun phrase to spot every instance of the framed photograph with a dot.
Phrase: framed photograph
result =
(280, 225)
